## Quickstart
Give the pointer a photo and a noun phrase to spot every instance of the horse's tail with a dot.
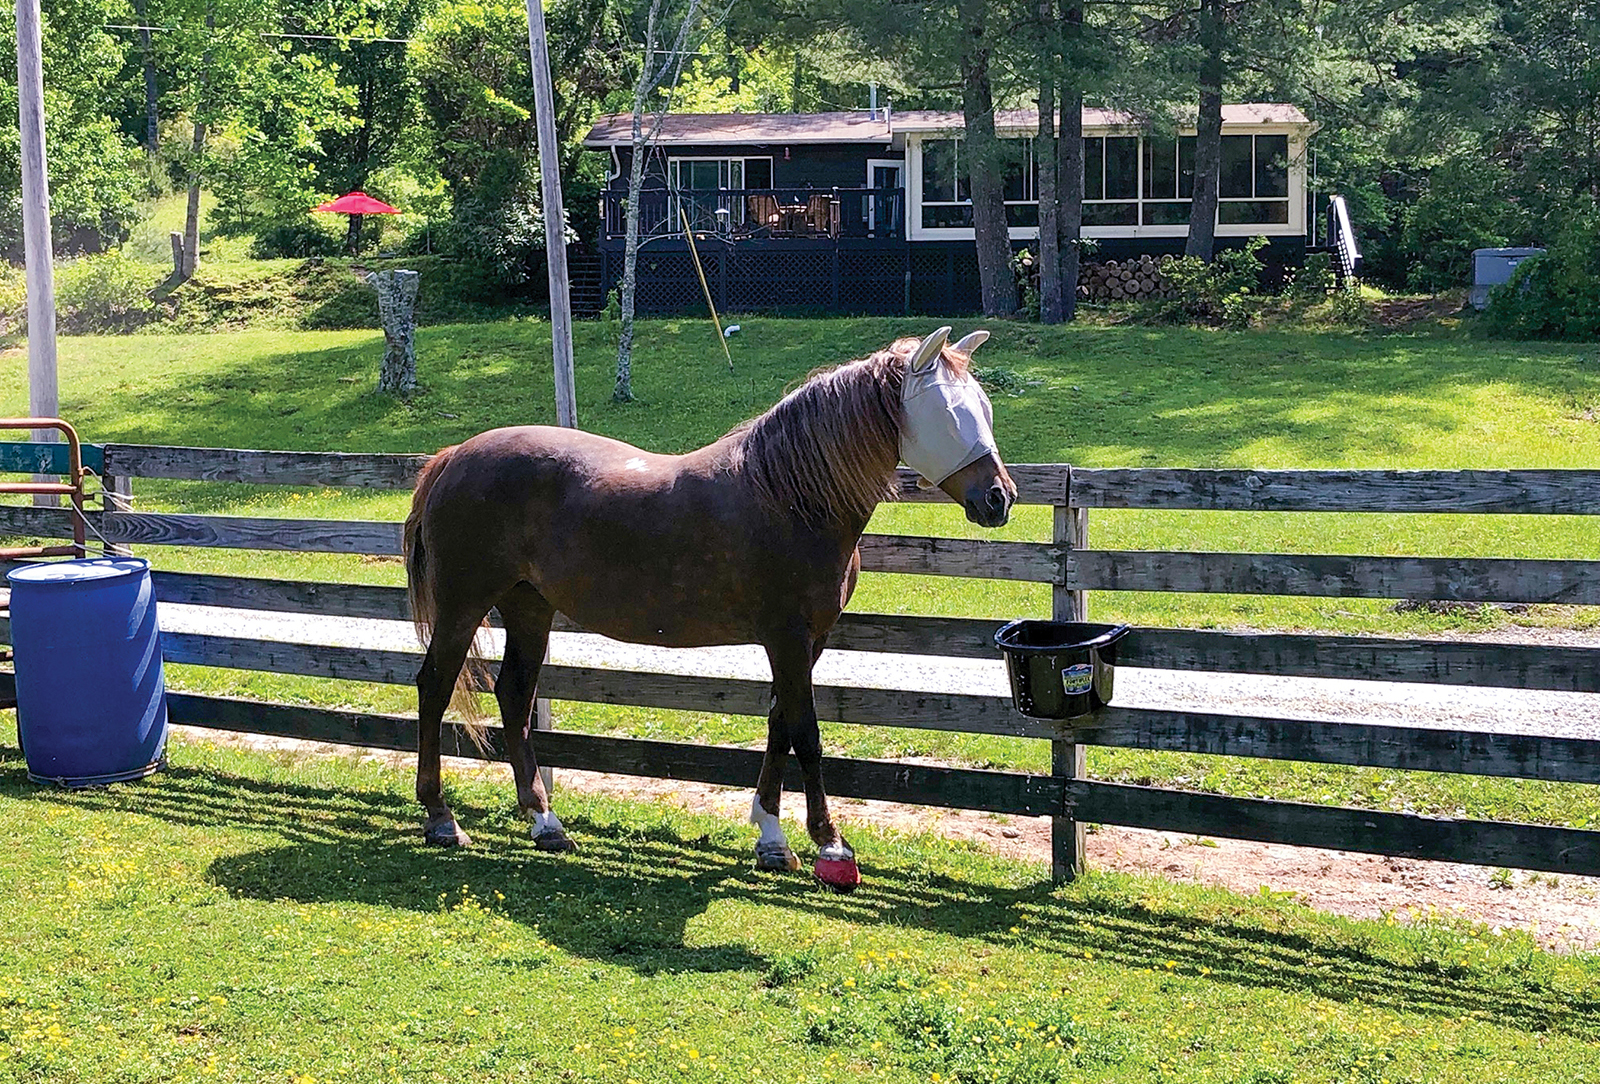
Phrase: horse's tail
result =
(420, 582)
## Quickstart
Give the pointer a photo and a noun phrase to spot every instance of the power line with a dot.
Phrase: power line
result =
(270, 34)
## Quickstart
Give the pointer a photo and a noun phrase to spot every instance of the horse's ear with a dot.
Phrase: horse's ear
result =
(926, 356)
(972, 342)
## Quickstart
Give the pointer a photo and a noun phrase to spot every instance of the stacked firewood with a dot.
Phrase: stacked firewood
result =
(1137, 279)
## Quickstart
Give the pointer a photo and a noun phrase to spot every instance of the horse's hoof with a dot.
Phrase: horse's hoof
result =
(445, 834)
(839, 874)
(776, 858)
(555, 841)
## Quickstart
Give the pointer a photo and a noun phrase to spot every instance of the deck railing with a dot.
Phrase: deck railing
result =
(738, 214)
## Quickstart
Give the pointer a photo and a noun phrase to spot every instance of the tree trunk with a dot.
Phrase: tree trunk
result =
(984, 167)
(397, 306)
(649, 79)
(1069, 158)
(191, 221)
(1044, 153)
(622, 391)
(152, 118)
(1208, 142)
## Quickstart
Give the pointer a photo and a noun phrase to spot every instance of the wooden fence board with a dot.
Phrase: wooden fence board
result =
(1361, 658)
(367, 471)
(1037, 483)
(1366, 658)
(963, 788)
(1554, 759)
(1405, 835)
(971, 557)
(735, 696)
(30, 522)
(1373, 745)
(1544, 492)
(253, 533)
(1535, 847)
(1458, 579)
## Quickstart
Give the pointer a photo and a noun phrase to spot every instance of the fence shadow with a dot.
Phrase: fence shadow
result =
(628, 897)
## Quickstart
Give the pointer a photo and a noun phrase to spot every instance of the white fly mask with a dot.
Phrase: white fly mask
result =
(948, 421)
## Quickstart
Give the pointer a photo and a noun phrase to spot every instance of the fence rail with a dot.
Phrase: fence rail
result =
(1067, 563)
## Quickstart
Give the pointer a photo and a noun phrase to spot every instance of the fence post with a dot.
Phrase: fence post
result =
(116, 495)
(1066, 757)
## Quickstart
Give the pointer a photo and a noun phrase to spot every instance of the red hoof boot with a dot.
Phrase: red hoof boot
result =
(836, 868)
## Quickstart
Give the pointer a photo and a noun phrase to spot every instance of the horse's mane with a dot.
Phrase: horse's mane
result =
(827, 450)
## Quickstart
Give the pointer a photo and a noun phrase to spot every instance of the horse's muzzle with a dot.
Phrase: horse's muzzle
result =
(990, 507)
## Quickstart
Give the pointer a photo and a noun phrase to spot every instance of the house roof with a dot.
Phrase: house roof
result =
(938, 120)
(616, 130)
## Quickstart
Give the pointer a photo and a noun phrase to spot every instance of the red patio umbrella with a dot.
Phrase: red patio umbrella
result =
(353, 204)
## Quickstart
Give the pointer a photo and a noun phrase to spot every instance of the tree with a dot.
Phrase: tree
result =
(1202, 237)
(658, 76)
(367, 55)
(985, 158)
(93, 172)
(1045, 151)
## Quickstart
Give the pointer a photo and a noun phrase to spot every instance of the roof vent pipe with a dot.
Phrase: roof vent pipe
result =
(872, 100)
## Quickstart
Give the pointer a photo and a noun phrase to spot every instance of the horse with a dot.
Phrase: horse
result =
(749, 540)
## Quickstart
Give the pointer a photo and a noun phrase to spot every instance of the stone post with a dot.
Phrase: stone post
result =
(397, 305)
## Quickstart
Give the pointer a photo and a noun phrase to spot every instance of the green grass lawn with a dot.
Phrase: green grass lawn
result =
(248, 917)
(1094, 396)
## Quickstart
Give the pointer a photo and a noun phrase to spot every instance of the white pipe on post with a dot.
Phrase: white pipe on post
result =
(555, 222)
(43, 398)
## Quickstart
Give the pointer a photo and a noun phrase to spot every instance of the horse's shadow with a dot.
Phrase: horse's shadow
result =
(630, 897)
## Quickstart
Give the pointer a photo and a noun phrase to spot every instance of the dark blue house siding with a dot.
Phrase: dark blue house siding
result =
(837, 165)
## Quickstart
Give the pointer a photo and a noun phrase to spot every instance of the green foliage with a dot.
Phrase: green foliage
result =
(1556, 295)
(297, 238)
(93, 167)
(104, 293)
(1463, 207)
(1222, 292)
(1313, 279)
(477, 89)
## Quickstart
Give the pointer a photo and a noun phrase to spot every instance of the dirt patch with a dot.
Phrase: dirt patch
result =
(1560, 911)
(1401, 313)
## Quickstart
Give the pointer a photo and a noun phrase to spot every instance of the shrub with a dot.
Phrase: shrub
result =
(13, 298)
(1222, 291)
(300, 237)
(1556, 295)
(1313, 281)
(1464, 207)
(104, 293)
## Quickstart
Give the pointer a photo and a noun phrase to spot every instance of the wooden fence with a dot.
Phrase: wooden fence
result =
(1068, 563)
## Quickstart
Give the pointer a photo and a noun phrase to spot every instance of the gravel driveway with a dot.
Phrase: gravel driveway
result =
(1394, 703)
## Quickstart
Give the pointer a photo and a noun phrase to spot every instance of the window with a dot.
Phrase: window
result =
(1127, 181)
(1111, 181)
(941, 172)
(700, 187)
(1254, 189)
(1168, 181)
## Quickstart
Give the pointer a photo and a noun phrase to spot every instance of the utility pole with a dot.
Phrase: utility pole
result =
(43, 400)
(555, 247)
(555, 221)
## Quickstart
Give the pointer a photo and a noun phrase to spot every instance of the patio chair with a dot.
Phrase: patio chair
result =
(761, 212)
(819, 215)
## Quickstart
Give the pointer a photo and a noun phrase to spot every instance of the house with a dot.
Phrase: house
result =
(868, 212)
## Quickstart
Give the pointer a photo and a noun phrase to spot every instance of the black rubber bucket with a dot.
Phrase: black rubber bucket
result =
(1059, 669)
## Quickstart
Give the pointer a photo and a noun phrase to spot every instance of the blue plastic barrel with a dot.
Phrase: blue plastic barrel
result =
(91, 697)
